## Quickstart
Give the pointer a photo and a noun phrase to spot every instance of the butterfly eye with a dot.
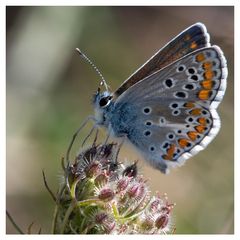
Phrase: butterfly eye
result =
(105, 101)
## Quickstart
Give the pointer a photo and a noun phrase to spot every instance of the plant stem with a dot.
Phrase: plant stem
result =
(66, 217)
(13, 223)
(88, 202)
(55, 214)
(54, 219)
(47, 187)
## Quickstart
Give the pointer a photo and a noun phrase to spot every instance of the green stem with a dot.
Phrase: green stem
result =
(55, 214)
(67, 215)
(115, 210)
(73, 188)
(88, 202)
(13, 223)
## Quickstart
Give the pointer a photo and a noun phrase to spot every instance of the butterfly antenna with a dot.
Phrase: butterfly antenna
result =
(103, 82)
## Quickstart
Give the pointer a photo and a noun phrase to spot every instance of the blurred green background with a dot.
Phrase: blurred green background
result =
(49, 90)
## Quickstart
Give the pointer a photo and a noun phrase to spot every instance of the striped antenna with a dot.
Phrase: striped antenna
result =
(103, 82)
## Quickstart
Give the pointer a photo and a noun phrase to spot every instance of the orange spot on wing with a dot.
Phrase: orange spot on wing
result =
(192, 135)
(196, 111)
(183, 142)
(170, 152)
(193, 45)
(200, 57)
(200, 128)
(189, 105)
(207, 65)
(204, 94)
(207, 84)
(202, 120)
(209, 74)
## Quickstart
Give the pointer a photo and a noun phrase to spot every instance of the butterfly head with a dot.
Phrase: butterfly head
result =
(102, 101)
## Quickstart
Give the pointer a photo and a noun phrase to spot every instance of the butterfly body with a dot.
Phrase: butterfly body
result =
(167, 108)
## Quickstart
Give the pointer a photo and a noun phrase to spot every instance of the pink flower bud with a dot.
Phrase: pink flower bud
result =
(106, 194)
(162, 221)
(105, 221)
(122, 184)
(100, 217)
(137, 190)
(155, 205)
(93, 169)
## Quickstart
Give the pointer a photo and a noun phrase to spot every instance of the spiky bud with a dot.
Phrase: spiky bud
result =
(106, 194)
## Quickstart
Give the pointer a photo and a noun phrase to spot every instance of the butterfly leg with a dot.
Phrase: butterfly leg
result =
(119, 148)
(106, 140)
(74, 137)
(114, 164)
(90, 133)
(103, 145)
(95, 139)
(70, 147)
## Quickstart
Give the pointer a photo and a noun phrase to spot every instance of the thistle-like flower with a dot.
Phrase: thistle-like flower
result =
(102, 196)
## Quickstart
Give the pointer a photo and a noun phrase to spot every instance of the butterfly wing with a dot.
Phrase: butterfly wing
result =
(171, 115)
(189, 40)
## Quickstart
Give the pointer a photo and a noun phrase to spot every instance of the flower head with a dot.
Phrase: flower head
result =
(105, 197)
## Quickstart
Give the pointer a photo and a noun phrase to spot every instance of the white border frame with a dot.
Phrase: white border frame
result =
(4, 3)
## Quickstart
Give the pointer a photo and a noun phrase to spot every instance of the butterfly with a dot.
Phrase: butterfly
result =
(167, 108)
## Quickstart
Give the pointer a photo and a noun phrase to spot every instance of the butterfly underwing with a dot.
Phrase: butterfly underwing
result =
(167, 108)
